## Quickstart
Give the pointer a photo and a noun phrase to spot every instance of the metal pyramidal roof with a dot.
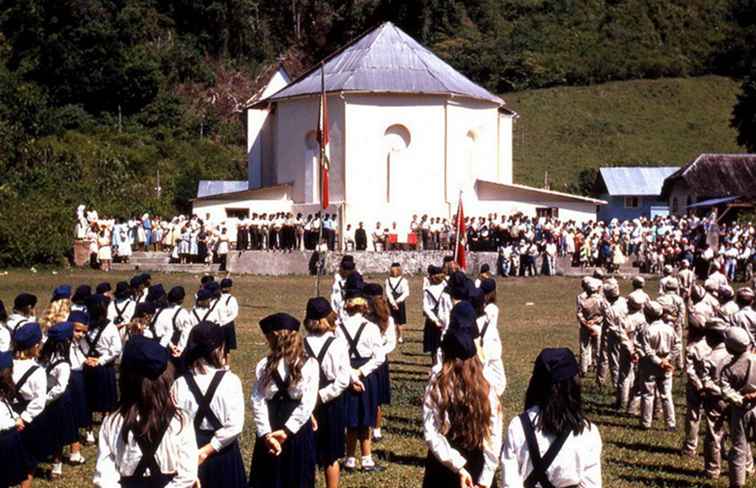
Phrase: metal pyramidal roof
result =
(636, 180)
(386, 60)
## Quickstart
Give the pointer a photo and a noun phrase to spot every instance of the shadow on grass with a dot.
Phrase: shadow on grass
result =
(416, 354)
(403, 459)
(654, 469)
(643, 447)
(663, 482)
(399, 362)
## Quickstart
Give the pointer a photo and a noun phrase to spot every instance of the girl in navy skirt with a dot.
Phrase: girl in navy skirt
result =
(283, 400)
(366, 356)
(434, 325)
(58, 417)
(17, 463)
(229, 311)
(79, 408)
(461, 416)
(102, 346)
(379, 314)
(211, 396)
(397, 292)
(31, 390)
(332, 355)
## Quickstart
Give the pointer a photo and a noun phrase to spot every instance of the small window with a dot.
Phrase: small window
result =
(548, 212)
(632, 202)
(237, 213)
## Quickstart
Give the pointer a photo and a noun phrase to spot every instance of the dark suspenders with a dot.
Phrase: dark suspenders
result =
(353, 341)
(176, 333)
(22, 381)
(283, 386)
(540, 465)
(203, 401)
(119, 313)
(153, 322)
(319, 357)
(394, 289)
(16, 327)
(148, 460)
(53, 365)
(436, 301)
(210, 310)
(93, 343)
(485, 329)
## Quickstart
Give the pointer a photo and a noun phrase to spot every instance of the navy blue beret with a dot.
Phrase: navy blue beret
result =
(226, 283)
(317, 308)
(204, 294)
(60, 332)
(176, 294)
(458, 286)
(122, 290)
(103, 288)
(354, 285)
(27, 336)
(485, 268)
(155, 293)
(79, 317)
(136, 282)
(372, 290)
(434, 270)
(144, 357)
(463, 317)
(24, 300)
(488, 285)
(6, 360)
(81, 294)
(559, 363)
(458, 344)
(279, 321)
(144, 309)
(62, 292)
(206, 279)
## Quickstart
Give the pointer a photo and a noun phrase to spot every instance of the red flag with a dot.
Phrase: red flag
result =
(461, 236)
(323, 138)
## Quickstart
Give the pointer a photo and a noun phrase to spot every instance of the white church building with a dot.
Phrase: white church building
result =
(407, 134)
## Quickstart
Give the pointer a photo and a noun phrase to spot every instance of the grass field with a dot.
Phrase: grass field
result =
(535, 313)
(662, 122)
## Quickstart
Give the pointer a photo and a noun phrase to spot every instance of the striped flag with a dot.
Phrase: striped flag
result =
(459, 252)
(325, 152)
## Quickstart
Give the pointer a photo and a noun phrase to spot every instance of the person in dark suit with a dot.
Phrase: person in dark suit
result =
(360, 237)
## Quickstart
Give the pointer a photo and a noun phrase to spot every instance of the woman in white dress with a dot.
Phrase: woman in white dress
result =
(105, 250)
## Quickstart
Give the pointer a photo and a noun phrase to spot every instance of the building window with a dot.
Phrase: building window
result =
(398, 175)
(632, 202)
(237, 213)
(547, 212)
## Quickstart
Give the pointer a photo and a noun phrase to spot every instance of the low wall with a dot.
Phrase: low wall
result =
(297, 262)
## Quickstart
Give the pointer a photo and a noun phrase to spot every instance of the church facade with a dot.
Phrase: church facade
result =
(408, 135)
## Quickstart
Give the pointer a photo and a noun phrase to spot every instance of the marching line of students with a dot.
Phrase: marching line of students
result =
(175, 415)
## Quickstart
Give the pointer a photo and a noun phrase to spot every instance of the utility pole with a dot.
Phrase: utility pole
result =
(158, 188)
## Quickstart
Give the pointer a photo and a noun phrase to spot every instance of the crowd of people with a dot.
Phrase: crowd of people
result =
(157, 371)
(704, 330)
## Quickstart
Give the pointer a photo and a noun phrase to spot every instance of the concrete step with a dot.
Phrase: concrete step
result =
(167, 268)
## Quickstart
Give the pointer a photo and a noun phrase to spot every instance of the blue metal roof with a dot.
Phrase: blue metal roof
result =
(386, 60)
(636, 180)
(207, 188)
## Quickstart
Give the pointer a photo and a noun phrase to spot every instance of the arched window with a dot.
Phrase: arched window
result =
(396, 140)
(311, 161)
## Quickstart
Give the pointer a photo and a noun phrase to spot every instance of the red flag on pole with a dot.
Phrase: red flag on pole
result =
(323, 138)
(459, 252)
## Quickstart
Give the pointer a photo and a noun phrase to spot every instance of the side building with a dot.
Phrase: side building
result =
(632, 192)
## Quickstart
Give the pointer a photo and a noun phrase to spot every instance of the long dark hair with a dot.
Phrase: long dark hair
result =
(54, 348)
(146, 405)
(7, 387)
(98, 315)
(561, 403)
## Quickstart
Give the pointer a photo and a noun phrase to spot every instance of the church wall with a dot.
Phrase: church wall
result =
(394, 159)
(506, 126)
(296, 152)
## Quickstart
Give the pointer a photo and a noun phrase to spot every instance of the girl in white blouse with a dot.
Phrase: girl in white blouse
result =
(147, 442)
(552, 433)
(461, 416)
(17, 463)
(489, 340)
(211, 395)
(332, 355)
(283, 400)
(379, 314)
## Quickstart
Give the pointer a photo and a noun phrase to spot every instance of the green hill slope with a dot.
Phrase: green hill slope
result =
(654, 122)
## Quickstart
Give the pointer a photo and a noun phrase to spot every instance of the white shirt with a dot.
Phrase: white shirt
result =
(76, 356)
(15, 320)
(337, 294)
(57, 379)
(34, 390)
(177, 453)
(108, 347)
(369, 345)
(578, 463)
(165, 324)
(227, 404)
(5, 338)
(389, 337)
(229, 308)
(212, 314)
(335, 365)
(306, 390)
(490, 348)
(402, 288)
(162, 322)
(440, 447)
(7, 416)
(126, 307)
(432, 300)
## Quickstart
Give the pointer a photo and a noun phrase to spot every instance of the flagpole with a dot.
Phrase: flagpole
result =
(459, 226)
(321, 259)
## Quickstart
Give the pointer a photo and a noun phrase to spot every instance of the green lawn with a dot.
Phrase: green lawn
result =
(664, 122)
(535, 313)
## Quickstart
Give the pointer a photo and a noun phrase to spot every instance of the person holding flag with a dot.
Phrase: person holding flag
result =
(461, 241)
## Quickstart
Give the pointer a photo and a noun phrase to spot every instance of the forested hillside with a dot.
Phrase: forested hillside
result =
(97, 96)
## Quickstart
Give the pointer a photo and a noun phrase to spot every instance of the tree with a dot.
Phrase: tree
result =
(744, 112)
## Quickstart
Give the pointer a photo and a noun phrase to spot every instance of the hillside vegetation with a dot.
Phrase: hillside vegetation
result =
(666, 122)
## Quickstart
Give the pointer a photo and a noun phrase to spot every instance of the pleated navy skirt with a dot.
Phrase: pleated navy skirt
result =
(79, 406)
(439, 476)
(399, 315)
(361, 408)
(384, 384)
(158, 481)
(36, 438)
(431, 337)
(330, 437)
(225, 468)
(101, 387)
(17, 462)
(293, 468)
(58, 424)
(229, 331)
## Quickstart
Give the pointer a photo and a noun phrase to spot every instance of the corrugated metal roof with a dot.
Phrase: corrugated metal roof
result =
(636, 180)
(207, 188)
(386, 60)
